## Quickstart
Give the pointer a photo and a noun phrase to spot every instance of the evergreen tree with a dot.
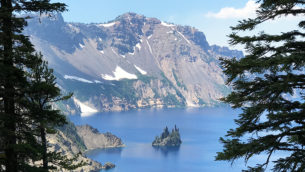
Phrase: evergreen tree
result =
(268, 85)
(42, 94)
(15, 50)
(165, 133)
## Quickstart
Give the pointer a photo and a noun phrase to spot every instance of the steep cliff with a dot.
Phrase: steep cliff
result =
(72, 141)
(59, 142)
(131, 62)
(93, 139)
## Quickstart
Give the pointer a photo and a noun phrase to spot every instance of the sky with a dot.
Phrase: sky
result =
(214, 18)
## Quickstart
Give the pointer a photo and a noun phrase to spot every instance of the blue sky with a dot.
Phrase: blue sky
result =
(211, 17)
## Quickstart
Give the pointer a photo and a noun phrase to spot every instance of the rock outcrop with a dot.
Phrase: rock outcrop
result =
(108, 165)
(72, 141)
(93, 139)
(168, 139)
(59, 142)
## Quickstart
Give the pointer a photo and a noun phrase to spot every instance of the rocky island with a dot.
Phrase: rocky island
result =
(168, 139)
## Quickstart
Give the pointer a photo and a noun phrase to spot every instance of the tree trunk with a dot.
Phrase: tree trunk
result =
(9, 90)
(44, 147)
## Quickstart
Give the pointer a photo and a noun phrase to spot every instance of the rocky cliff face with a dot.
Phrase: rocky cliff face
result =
(93, 139)
(131, 62)
(61, 143)
(72, 140)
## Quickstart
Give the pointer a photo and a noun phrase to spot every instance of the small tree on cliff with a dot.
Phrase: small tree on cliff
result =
(42, 94)
(268, 85)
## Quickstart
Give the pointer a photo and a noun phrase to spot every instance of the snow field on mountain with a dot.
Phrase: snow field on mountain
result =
(119, 74)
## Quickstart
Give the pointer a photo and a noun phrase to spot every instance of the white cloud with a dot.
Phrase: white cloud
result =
(232, 13)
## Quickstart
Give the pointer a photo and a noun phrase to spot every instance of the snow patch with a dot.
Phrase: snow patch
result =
(138, 46)
(131, 53)
(81, 45)
(123, 56)
(114, 51)
(97, 81)
(149, 47)
(107, 24)
(184, 37)
(167, 24)
(77, 79)
(119, 73)
(102, 52)
(149, 36)
(190, 103)
(100, 39)
(143, 72)
(85, 109)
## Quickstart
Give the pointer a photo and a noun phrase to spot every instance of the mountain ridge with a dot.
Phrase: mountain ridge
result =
(132, 62)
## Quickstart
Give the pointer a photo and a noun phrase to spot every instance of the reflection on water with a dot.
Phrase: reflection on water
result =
(166, 150)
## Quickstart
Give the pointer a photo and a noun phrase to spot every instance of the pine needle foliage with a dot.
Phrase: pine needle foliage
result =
(268, 86)
(27, 91)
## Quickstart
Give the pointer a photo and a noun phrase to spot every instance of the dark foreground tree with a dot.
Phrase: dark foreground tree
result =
(42, 94)
(16, 137)
(268, 85)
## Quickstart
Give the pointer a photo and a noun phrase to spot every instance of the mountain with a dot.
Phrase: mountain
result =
(131, 62)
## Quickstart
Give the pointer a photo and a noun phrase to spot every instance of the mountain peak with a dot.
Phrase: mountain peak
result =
(132, 62)
(130, 16)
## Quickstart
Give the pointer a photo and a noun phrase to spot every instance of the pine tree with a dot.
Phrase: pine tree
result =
(42, 94)
(268, 86)
(165, 133)
(15, 50)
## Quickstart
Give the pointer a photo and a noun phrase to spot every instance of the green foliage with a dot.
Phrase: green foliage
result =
(165, 133)
(146, 79)
(42, 93)
(171, 99)
(268, 85)
(69, 130)
(27, 91)
(168, 138)
(122, 89)
(66, 163)
(166, 81)
(157, 95)
(80, 89)
(179, 84)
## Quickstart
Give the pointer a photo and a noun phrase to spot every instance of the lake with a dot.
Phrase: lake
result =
(200, 130)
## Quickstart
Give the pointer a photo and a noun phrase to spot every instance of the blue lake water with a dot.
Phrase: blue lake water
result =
(200, 130)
